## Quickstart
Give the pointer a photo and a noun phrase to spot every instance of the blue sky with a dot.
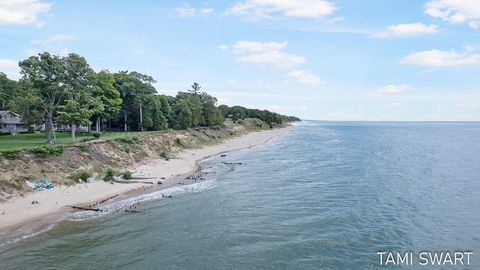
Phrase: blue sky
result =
(317, 59)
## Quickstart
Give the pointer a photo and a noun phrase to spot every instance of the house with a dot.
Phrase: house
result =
(11, 122)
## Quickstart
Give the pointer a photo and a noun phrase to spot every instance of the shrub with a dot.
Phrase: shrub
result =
(96, 134)
(80, 175)
(127, 175)
(10, 154)
(109, 174)
(129, 140)
(178, 141)
(47, 150)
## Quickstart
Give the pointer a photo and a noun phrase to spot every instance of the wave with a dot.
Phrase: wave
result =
(27, 235)
(306, 123)
(333, 141)
(157, 195)
(112, 208)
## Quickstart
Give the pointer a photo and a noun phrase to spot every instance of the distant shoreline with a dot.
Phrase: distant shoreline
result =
(19, 215)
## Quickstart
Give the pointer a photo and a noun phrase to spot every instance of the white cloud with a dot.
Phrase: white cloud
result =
(266, 53)
(21, 11)
(258, 47)
(437, 58)
(455, 11)
(54, 38)
(305, 77)
(406, 30)
(289, 8)
(276, 58)
(186, 11)
(10, 68)
(390, 89)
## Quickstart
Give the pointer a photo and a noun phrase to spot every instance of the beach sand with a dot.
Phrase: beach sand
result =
(19, 211)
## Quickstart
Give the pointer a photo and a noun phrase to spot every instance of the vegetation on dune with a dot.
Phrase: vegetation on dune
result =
(83, 160)
(109, 175)
(80, 176)
(127, 175)
(47, 150)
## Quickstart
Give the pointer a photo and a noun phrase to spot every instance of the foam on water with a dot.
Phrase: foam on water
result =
(110, 208)
(157, 195)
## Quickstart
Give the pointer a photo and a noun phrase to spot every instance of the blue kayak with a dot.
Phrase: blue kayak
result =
(46, 184)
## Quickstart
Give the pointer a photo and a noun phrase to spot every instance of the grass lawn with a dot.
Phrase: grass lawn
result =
(32, 140)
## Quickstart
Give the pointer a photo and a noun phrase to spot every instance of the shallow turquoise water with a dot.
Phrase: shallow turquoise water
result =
(324, 196)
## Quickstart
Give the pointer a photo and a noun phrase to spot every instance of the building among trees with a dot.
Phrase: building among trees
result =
(11, 122)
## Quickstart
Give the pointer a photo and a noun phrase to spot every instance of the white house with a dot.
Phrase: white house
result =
(11, 122)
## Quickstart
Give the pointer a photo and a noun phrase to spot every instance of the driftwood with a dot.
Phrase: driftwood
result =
(107, 199)
(131, 182)
(85, 209)
(232, 163)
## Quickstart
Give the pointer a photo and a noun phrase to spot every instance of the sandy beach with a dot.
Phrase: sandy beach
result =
(19, 210)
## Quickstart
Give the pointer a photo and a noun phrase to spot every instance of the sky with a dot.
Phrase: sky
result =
(416, 60)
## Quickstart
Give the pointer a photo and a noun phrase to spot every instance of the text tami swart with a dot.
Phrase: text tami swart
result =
(425, 258)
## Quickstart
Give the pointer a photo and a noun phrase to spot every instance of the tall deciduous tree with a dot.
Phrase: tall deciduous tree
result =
(135, 88)
(7, 90)
(46, 74)
(109, 96)
(28, 104)
(78, 83)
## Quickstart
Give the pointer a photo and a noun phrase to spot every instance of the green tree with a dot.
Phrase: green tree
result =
(135, 88)
(183, 114)
(78, 83)
(46, 74)
(7, 90)
(109, 97)
(27, 104)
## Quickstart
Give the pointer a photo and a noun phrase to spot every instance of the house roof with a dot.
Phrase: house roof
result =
(3, 112)
(16, 120)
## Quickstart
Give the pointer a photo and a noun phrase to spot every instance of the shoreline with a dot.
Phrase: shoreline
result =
(19, 215)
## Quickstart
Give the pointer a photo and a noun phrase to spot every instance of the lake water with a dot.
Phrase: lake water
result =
(326, 195)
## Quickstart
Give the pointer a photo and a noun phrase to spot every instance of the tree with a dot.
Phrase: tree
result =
(27, 104)
(78, 83)
(237, 112)
(209, 109)
(46, 74)
(135, 89)
(109, 97)
(224, 109)
(195, 89)
(7, 90)
(183, 114)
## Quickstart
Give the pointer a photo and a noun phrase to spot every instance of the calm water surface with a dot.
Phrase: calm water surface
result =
(324, 196)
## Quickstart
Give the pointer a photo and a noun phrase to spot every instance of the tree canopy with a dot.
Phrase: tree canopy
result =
(57, 92)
